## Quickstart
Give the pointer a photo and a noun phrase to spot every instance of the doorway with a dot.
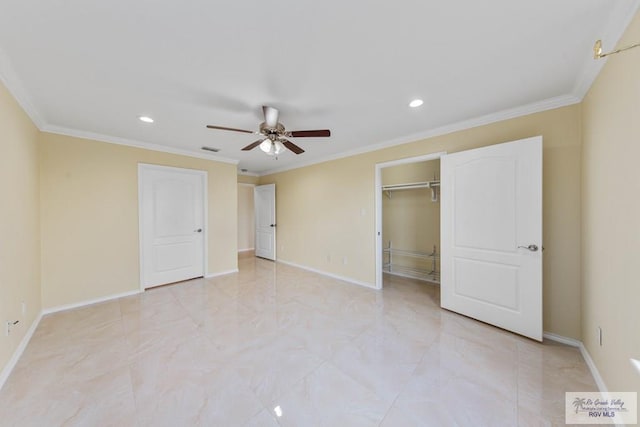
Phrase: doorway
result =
(265, 206)
(246, 218)
(411, 221)
(490, 233)
(411, 162)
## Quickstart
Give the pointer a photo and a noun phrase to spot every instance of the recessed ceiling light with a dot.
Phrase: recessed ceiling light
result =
(145, 119)
(416, 103)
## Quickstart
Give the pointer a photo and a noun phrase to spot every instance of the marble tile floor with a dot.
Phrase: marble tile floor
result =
(274, 345)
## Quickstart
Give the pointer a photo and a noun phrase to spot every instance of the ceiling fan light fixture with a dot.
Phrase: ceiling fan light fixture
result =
(266, 146)
(272, 148)
(416, 103)
(277, 147)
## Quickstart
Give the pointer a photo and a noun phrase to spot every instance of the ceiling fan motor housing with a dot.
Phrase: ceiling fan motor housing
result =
(271, 132)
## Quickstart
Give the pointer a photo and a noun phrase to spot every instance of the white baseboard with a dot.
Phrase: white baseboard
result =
(333, 276)
(563, 340)
(594, 370)
(585, 355)
(6, 371)
(222, 273)
(246, 250)
(407, 276)
(88, 302)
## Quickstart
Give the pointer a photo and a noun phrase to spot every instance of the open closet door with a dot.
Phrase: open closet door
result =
(265, 206)
(491, 235)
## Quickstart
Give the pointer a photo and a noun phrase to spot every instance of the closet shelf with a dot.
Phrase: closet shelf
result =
(413, 254)
(429, 273)
(433, 185)
(414, 273)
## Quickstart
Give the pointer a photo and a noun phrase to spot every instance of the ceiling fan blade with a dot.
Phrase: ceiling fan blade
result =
(253, 145)
(309, 133)
(291, 146)
(270, 116)
(231, 129)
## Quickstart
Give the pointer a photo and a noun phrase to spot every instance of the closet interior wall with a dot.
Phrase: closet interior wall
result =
(411, 221)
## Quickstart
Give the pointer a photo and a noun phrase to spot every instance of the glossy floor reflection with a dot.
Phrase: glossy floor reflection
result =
(278, 346)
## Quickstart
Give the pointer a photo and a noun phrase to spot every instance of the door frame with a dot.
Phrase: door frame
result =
(205, 207)
(378, 203)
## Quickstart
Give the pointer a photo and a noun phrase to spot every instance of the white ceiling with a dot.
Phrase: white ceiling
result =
(90, 68)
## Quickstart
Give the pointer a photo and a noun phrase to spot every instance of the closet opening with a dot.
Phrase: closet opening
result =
(408, 219)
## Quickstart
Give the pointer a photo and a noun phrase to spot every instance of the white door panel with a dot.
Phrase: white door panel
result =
(491, 204)
(172, 205)
(485, 281)
(265, 206)
(478, 181)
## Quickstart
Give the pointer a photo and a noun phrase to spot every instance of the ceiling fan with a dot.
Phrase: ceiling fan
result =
(273, 139)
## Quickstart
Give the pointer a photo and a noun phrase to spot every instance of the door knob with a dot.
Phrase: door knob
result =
(532, 248)
(199, 230)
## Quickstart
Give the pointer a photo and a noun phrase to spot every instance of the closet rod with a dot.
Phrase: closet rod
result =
(411, 185)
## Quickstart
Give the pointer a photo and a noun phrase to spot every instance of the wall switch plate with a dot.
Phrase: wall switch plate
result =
(24, 308)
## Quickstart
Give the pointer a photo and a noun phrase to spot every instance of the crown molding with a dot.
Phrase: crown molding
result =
(617, 23)
(14, 85)
(524, 110)
(12, 82)
(59, 130)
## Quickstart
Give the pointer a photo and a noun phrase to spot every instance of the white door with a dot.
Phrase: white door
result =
(265, 205)
(172, 220)
(491, 235)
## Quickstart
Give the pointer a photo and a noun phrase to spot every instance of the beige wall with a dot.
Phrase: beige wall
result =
(19, 223)
(89, 216)
(246, 217)
(611, 216)
(248, 179)
(326, 211)
(410, 220)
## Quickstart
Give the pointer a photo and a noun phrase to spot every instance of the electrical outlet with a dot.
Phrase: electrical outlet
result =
(24, 308)
(599, 329)
(328, 258)
(345, 261)
(10, 324)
